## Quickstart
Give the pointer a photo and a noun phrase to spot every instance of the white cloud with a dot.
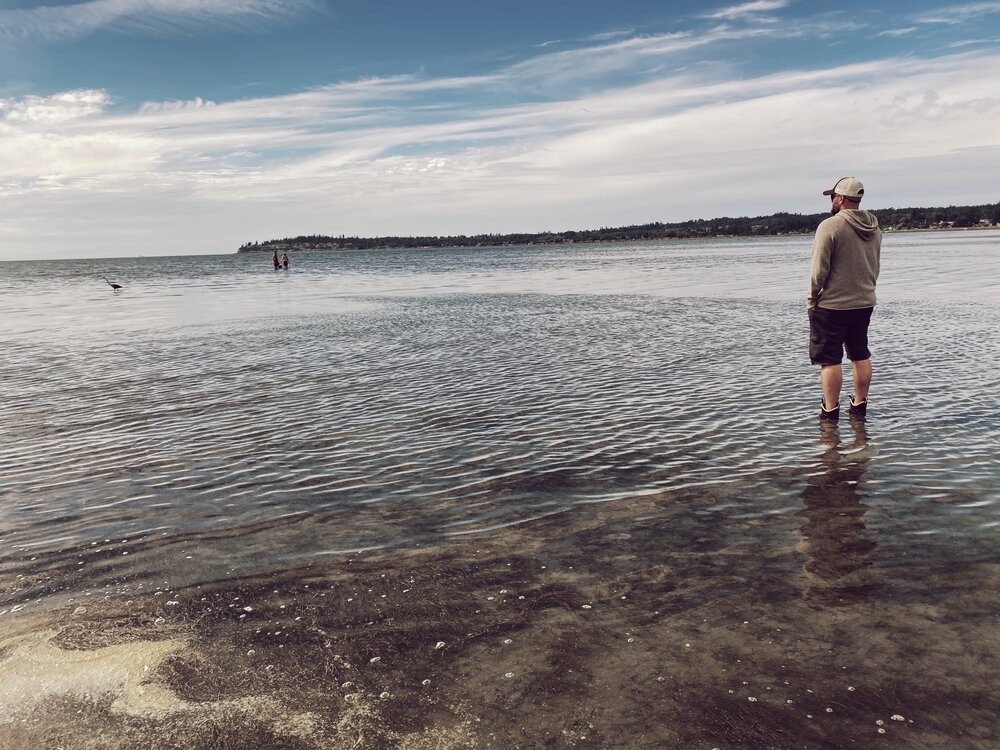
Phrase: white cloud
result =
(952, 15)
(175, 106)
(555, 71)
(973, 43)
(898, 32)
(79, 19)
(407, 154)
(748, 9)
(62, 107)
(607, 36)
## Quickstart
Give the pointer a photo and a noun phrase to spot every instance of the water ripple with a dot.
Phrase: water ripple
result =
(353, 421)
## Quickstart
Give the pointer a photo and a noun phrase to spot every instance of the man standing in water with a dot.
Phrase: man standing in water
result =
(845, 266)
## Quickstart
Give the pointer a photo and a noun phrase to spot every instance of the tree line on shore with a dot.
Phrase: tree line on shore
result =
(744, 226)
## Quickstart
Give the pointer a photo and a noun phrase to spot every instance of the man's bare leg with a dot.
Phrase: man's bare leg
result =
(831, 377)
(862, 379)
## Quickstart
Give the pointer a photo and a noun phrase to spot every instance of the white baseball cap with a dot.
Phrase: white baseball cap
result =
(849, 187)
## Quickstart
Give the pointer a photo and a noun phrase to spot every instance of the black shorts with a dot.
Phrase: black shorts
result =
(830, 331)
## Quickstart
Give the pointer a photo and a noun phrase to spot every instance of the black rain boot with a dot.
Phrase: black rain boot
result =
(858, 410)
(833, 415)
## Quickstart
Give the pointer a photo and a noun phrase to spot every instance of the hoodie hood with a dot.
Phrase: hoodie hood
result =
(863, 222)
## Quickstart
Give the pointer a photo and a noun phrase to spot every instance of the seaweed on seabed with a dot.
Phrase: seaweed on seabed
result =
(330, 642)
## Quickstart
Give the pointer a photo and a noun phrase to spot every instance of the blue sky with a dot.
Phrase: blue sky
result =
(190, 126)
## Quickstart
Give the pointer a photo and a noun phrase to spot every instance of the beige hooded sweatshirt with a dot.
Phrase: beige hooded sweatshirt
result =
(845, 261)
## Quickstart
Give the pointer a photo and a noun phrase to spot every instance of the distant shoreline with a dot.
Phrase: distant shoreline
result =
(726, 227)
(281, 246)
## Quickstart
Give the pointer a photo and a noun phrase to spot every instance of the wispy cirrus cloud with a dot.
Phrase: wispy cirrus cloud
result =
(748, 9)
(955, 14)
(607, 36)
(76, 20)
(898, 32)
(973, 43)
(558, 70)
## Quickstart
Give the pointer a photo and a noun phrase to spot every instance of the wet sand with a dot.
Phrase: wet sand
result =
(630, 625)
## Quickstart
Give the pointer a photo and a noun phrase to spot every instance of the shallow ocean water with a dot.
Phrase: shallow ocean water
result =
(216, 419)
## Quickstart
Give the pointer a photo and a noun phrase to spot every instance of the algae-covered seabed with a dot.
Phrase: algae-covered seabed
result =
(655, 622)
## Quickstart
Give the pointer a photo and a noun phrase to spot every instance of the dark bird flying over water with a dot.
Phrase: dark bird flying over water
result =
(114, 286)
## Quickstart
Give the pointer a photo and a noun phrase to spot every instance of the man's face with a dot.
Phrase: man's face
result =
(836, 201)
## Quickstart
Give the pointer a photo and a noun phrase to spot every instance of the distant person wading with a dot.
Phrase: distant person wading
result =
(845, 267)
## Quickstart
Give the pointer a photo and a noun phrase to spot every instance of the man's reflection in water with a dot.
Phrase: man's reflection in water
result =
(838, 548)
